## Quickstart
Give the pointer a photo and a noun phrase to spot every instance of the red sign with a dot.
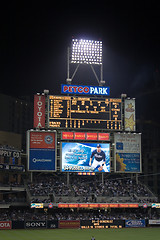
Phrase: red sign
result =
(93, 205)
(91, 136)
(103, 136)
(83, 205)
(62, 205)
(114, 205)
(103, 205)
(39, 111)
(68, 224)
(73, 205)
(133, 205)
(42, 139)
(79, 136)
(5, 224)
(67, 135)
(123, 205)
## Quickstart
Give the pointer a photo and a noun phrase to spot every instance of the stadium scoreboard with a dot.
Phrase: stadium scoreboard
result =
(84, 112)
(101, 224)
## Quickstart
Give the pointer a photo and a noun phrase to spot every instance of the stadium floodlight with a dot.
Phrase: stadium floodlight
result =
(86, 52)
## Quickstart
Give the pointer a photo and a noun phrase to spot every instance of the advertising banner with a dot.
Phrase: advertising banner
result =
(85, 90)
(39, 111)
(127, 152)
(135, 223)
(154, 222)
(85, 157)
(69, 224)
(36, 205)
(130, 116)
(35, 224)
(41, 151)
(5, 225)
(85, 136)
(155, 205)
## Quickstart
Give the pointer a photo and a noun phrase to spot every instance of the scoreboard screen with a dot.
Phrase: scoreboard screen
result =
(84, 112)
(101, 224)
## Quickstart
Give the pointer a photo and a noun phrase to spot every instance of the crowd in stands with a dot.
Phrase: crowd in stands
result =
(124, 189)
(30, 214)
(54, 188)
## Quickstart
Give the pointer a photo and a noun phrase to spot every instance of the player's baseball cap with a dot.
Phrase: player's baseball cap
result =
(98, 145)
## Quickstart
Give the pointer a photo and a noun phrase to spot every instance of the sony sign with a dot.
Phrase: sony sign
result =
(39, 111)
(35, 224)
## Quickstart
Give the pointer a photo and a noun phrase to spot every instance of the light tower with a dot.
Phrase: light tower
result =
(85, 52)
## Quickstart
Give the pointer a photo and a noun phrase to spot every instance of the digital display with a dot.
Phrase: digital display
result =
(101, 224)
(85, 157)
(84, 112)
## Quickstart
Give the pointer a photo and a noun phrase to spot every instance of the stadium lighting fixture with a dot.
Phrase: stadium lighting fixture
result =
(85, 52)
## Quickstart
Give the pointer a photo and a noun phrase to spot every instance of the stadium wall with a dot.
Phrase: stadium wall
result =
(84, 224)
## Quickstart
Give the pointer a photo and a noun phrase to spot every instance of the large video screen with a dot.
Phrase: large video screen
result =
(85, 157)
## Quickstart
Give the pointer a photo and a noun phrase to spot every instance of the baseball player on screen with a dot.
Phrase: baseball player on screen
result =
(99, 159)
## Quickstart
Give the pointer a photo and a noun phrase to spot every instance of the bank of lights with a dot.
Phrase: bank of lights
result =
(86, 51)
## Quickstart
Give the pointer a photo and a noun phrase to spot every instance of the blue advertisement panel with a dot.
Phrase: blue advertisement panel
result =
(135, 223)
(131, 161)
(85, 90)
(42, 159)
(41, 151)
(85, 157)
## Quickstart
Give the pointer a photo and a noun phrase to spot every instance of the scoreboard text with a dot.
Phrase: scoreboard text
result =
(101, 224)
(84, 112)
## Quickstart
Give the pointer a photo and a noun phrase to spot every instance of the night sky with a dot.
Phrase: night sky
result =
(35, 36)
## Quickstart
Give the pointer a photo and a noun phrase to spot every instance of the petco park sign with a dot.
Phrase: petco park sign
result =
(85, 90)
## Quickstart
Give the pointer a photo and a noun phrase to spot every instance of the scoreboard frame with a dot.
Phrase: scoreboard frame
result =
(86, 128)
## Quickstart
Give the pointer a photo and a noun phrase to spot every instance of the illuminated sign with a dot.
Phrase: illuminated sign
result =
(39, 111)
(84, 112)
(91, 136)
(97, 205)
(103, 136)
(130, 116)
(85, 90)
(155, 205)
(79, 136)
(85, 136)
(102, 224)
(67, 135)
(36, 205)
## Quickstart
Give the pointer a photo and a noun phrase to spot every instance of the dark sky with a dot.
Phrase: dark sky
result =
(35, 36)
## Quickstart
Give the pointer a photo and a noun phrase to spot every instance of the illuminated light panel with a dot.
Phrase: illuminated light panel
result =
(86, 51)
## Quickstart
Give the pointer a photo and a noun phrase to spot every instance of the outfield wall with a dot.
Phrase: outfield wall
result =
(84, 224)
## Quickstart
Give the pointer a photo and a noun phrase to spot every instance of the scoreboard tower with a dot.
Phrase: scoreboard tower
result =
(81, 118)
